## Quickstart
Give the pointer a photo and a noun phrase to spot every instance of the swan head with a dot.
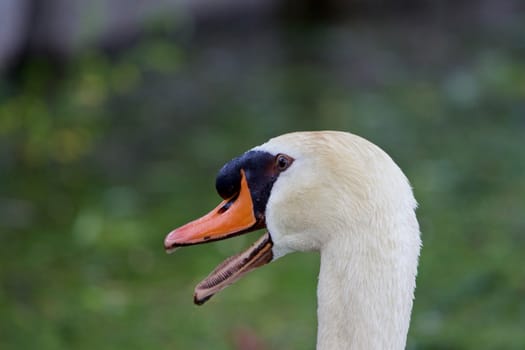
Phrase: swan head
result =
(309, 190)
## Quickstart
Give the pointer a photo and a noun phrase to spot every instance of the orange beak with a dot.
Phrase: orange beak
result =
(231, 217)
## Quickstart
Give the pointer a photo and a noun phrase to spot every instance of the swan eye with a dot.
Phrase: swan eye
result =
(283, 162)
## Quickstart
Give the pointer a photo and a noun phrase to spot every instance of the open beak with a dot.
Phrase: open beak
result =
(232, 217)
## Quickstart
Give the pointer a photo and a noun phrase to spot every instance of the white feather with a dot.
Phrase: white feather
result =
(345, 197)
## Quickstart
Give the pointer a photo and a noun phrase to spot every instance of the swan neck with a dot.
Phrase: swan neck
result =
(364, 299)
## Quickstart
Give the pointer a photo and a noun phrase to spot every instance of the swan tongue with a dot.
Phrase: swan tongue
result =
(233, 268)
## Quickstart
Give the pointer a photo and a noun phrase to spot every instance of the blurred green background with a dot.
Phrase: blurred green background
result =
(108, 144)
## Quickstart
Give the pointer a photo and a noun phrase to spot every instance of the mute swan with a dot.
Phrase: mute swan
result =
(326, 191)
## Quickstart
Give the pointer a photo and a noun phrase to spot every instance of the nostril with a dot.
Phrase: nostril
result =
(225, 207)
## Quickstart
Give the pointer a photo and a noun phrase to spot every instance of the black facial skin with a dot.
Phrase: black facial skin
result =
(261, 169)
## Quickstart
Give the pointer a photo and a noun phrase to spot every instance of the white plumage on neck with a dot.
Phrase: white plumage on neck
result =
(347, 199)
(365, 296)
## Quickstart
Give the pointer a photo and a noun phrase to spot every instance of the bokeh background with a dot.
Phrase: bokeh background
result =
(115, 116)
